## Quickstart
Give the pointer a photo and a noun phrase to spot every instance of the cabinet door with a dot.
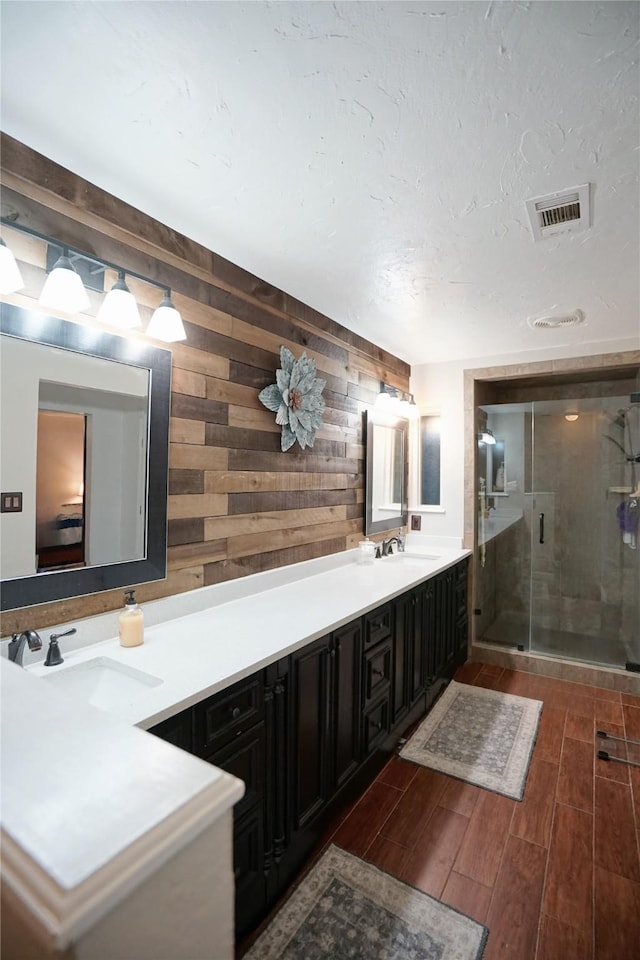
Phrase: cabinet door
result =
(310, 715)
(429, 632)
(418, 640)
(345, 654)
(276, 828)
(245, 759)
(401, 656)
(248, 868)
(445, 620)
(176, 730)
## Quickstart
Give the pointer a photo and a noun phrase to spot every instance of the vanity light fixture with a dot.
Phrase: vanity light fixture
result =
(393, 400)
(166, 322)
(119, 307)
(486, 437)
(10, 276)
(571, 417)
(63, 288)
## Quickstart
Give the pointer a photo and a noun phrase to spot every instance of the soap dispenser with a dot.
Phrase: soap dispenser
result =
(131, 622)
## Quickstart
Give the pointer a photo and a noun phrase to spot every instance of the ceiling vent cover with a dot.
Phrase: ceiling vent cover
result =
(553, 322)
(564, 212)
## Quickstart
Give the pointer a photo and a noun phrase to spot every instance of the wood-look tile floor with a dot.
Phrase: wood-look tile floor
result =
(555, 876)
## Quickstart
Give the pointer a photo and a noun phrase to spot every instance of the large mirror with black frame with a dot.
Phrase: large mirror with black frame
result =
(386, 478)
(83, 459)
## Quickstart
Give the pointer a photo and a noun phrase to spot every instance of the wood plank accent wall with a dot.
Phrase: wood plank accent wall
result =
(236, 503)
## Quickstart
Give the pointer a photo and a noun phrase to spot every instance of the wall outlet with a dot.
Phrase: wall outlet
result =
(11, 503)
(416, 521)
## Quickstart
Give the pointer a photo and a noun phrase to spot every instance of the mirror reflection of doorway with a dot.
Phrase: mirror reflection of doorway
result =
(60, 485)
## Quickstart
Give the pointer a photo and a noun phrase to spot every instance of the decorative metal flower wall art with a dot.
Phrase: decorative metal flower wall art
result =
(296, 399)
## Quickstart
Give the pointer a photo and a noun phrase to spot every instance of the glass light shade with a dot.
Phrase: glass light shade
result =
(119, 307)
(487, 437)
(571, 417)
(10, 276)
(63, 288)
(383, 401)
(413, 413)
(166, 322)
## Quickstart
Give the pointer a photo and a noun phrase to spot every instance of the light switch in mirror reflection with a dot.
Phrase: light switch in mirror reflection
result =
(386, 480)
(84, 437)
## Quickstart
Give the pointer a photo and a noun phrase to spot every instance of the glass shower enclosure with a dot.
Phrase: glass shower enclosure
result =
(558, 555)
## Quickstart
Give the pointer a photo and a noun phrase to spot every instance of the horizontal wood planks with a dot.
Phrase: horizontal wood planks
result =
(236, 503)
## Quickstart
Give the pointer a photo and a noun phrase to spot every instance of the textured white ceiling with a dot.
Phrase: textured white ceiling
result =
(372, 159)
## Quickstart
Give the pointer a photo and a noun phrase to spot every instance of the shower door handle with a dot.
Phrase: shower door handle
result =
(541, 518)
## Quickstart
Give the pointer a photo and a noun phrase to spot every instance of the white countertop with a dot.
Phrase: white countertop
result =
(200, 653)
(89, 802)
(90, 805)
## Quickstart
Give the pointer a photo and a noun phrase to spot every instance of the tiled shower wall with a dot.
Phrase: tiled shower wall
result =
(590, 583)
(585, 581)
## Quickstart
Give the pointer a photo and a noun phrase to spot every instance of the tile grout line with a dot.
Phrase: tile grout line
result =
(391, 812)
(635, 805)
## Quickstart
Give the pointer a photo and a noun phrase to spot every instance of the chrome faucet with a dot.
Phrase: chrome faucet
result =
(384, 549)
(17, 642)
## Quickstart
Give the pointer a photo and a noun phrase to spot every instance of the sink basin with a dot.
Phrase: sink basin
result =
(103, 682)
(407, 556)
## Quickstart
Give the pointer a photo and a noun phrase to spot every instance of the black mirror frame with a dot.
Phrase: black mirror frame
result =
(60, 585)
(392, 523)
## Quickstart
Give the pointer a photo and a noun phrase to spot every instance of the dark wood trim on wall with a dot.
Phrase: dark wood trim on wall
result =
(236, 504)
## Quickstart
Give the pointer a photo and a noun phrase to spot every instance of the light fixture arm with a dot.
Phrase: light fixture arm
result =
(64, 289)
(70, 252)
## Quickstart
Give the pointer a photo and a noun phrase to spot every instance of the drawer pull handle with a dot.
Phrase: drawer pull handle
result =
(377, 673)
(235, 712)
(377, 726)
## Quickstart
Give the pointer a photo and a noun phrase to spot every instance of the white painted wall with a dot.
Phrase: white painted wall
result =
(439, 388)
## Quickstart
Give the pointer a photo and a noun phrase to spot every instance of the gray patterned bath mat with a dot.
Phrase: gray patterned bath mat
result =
(481, 736)
(346, 909)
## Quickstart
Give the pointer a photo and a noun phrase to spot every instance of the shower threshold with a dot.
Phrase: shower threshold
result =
(512, 629)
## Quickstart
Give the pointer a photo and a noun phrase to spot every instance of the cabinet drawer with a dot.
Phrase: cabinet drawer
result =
(377, 671)
(377, 626)
(227, 714)
(376, 725)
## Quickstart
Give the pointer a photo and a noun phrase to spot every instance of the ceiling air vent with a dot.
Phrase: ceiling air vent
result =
(564, 212)
(561, 320)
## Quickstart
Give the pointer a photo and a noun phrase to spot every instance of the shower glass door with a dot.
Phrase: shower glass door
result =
(583, 519)
(503, 559)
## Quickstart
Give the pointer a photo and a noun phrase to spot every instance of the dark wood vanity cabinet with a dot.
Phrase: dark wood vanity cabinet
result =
(304, 730)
